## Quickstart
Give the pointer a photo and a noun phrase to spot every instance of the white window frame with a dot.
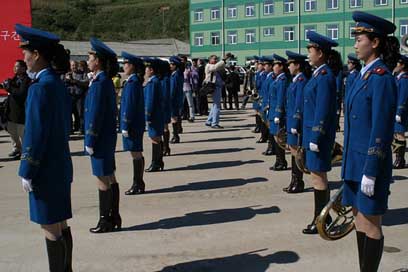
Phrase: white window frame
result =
(215, 14)
(403, 27)
(290, 32)
(198, 15)
(309, 4)
(232, 12)
(199, 39)
(269, 6)
(354, 3)
(382, 3)
(290, 5)
(332, 4)
(330, 29)
(250, 37)
(309, 28)
(269, 31)
(232, 37)
(250, 10)
(404, 2)
(352, 26)
(215, 36)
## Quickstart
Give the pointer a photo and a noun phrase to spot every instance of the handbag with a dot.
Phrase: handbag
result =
(208, 87)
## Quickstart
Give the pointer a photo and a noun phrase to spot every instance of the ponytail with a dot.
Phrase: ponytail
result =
(390, 53)
(334, 61)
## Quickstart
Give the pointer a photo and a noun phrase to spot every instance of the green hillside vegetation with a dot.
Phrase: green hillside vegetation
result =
(112, 20)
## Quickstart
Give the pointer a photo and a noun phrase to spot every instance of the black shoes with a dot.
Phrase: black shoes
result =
(321, 198)
(296, 185)
(166, 146)
(217, 127)
(176, 131)
(105, 207)
(157, 159)
(15, 154)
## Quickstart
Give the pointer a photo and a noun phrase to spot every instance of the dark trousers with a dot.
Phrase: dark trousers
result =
(233, 95)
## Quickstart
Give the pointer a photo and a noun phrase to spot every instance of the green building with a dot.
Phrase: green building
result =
(262, 27)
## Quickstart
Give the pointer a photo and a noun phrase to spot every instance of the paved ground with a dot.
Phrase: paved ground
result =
(217, 207)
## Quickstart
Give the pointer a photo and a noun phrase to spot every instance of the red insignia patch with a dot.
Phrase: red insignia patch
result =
(379, 71)
(323, 72)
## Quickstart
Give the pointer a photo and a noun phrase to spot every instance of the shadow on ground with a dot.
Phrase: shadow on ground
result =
(214, 165)
(219, 139)
(214, 151)
(394, 217)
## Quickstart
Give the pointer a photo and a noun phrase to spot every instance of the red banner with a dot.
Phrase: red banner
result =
(11, 12)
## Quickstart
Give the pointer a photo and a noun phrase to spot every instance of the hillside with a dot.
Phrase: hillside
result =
(112, 20)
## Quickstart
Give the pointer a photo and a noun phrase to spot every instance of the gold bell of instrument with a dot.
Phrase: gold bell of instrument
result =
(282, 138)
(342, 219)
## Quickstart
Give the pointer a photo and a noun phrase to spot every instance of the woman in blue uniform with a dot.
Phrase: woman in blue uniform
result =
(260, 78)
(176, 93)
(401, 118)
(166, 101)
(100, 133)
(277, 114)
(300, 71)
(154, 113)
(46, 166)
(319, 117)
(132, 119)
(369, 123)
(354, 67)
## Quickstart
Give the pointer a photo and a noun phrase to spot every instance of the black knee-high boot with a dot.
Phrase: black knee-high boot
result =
(166, 146)
(105, 207)
(157, 159)
(399, 162)
(373, 251)
(298, 185)
(258, 122)
(176, 137)
(57, 251)
(321, 198)
(138, 186)
(271, 149)
(116, 218)
(361, 237)
(66, 233)
(180, 126)
(280, 163)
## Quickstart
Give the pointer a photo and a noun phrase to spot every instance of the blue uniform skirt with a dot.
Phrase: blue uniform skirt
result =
(319, 161)
(155, 129)
(103, 165)
(375, 205)
(50, 203)
(400, 127)
(133, 143)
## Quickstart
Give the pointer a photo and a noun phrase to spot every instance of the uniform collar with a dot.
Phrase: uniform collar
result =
(37, 76)
(270, 74)
(151, 78)
(319, 68)
(97, 74)
(353, 71)
(367, 67)
(296, 77)
(131, 77)
(279, 76)
(400, 75)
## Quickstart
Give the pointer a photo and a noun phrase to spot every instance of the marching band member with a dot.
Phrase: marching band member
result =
(260, 77)
(100, 133)
(154, 113)
(177, 95)
(299, 69)
(46, 166)
(319, 117)
(401, 122)
(132, 121)
(277, 96)
(166, 101)
(369, 122)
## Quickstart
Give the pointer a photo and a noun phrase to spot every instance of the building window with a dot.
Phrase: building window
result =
(232, 37)
(268, 31)
(332, 4)
(309, 28)
(198, 15)
(198, 39)
(352, 28)
(289, 6)
(404, 1)
(403, 27)
(289, 33)
(215, 13)
(215, 38)
(333, 32)
(380, 2)
(232, 12)
(250, 36)
(268, 7)
(250, 10)
(310, 5)
(356, 3)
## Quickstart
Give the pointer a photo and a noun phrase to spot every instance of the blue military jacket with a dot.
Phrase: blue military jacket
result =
(132, 106)
(267, 82)
(176, 92)
(402, 108)
(352, 76)
(277, 94)
(100, 116)
(368, 125)
(319, 109)
(166, 98)
(294, 103)
(153, 104)
(46, 158)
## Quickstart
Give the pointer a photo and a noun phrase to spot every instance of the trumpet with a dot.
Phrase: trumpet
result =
(254, 95)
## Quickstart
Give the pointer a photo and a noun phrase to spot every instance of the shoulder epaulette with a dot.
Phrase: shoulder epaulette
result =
(300, 79)
(405, 76)
(379, 71)
(323, 72)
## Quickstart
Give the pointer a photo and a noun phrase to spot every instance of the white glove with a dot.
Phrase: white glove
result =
(367, 185)
(314, 147)
(90, 150)
(276, 120)
(293, 131)
(27, 186)
(398, 118)
(125, 133)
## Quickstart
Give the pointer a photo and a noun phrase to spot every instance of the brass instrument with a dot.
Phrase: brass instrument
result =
(253, 94)
(342, 219)
(281, 138)
(395, 145)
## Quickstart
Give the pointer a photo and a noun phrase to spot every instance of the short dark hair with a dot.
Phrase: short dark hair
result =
(22, 63)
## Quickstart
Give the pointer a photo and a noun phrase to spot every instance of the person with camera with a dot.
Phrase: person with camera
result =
(213, 76)
(17, 87)
(232, 83)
